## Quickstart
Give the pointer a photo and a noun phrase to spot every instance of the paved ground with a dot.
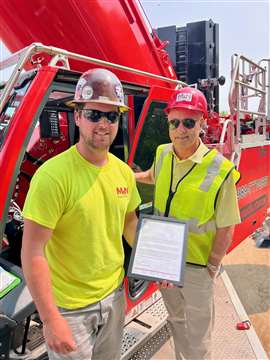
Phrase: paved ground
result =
(249, 270)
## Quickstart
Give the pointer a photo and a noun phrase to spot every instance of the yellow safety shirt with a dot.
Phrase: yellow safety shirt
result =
(85, 206)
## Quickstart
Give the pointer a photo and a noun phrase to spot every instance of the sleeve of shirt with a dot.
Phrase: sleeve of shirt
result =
(45, 200)
(135, 198)
(227, 209)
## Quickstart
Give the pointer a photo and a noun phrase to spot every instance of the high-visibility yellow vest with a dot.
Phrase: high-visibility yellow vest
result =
(194, 198)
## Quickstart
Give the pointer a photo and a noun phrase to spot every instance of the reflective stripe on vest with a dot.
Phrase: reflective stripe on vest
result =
(212, 170)
(165, 151)
(194, 199)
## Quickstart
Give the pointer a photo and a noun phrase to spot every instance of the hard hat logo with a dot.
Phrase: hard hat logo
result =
(188, 98)
(81, 83)
(184, 97)
(87, 92)
(100, 86)
(119, 92)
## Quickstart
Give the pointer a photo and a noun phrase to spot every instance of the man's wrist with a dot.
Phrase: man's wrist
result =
(51, 316)
(213, 268)
(215, 258)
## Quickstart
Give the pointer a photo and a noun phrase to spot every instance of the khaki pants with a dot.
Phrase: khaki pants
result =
(97, 329)
(191, 314)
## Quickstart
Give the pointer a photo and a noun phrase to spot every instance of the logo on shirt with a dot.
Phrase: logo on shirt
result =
(122, 191)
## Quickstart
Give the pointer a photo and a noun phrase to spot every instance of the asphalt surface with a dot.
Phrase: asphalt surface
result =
(249, 270)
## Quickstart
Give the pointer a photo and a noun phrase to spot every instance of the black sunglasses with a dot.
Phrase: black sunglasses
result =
(95, 115)
(187, 123)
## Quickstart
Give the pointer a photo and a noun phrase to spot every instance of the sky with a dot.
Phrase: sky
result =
(244, 28)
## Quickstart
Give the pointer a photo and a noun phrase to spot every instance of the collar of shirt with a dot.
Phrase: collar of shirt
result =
(196, 157)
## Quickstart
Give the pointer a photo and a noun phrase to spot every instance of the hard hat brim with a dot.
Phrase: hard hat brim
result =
(122, 107)
(182, 107)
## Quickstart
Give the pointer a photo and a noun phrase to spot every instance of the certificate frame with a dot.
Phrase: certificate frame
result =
(14, 281)
(135, 270)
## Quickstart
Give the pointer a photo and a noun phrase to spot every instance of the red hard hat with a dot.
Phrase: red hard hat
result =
(100, 86)
(188, 98)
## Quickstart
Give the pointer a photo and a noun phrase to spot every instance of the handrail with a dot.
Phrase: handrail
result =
(21, 57)
(11, 59)
(268, 86)
(226, 125)
(25, 54)
(234, 66)
(51, 50)
(248, 81)
(234, 148)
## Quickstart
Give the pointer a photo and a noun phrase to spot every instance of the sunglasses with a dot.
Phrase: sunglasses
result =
(187, 123)
(95, 115)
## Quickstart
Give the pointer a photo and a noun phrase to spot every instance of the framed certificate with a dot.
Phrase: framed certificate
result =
(8, 281)
(159, 250)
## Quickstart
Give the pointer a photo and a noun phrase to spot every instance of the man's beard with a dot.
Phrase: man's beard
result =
(97, 145)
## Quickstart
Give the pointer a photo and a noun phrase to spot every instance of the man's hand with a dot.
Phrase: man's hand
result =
(164, 284)
(145, 177)
(58, 335)
(136, 168)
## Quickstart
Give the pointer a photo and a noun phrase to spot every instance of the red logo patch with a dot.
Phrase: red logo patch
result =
(122, 190)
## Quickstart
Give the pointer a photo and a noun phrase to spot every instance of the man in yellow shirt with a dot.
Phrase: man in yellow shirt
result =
(78, 206)
(197, 185)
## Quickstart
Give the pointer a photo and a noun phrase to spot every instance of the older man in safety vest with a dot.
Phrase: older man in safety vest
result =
(194, 184)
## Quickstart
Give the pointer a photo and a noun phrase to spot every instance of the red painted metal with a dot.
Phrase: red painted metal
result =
(114, 31)
(243, 325)
(253, 191)
(131, 304)
(41, 150)
(19, 128)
